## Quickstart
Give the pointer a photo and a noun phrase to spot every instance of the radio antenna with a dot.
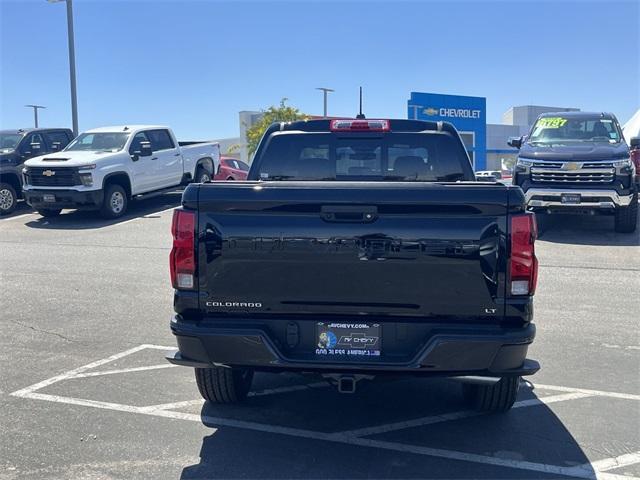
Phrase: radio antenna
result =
(360, 115)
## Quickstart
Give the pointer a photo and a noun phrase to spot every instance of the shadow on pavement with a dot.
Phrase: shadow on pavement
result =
(584, 230)
(533, 434)
(82, 220)
(22, 207)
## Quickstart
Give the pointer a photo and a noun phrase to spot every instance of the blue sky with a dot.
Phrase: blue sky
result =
(194, 64)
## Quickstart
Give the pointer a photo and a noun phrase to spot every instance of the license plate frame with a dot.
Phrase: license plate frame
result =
(571, 198)
(48, 197)
(348, 340)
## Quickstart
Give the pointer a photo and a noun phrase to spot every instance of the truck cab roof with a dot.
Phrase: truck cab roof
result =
(126, 128)
(17, 131)
(577, 115)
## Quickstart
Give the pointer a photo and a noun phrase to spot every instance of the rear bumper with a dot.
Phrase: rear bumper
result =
(595, 199)
(90, 200)
(499, 352)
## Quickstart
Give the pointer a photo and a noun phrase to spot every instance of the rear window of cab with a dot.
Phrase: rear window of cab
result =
(427, 157)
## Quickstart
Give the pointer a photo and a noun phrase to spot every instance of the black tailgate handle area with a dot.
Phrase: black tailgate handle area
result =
(349, 213)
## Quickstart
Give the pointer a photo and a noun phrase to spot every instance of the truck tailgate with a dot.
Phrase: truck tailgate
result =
(358, 248)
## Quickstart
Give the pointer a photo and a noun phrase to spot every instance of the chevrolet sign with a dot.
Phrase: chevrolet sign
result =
(48, 173)
(452, 112)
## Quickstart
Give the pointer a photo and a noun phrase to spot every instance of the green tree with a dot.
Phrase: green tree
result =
(281, 113)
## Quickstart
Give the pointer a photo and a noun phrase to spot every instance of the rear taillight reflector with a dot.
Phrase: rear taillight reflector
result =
(360, 125)
(523, 264)
(182, 260)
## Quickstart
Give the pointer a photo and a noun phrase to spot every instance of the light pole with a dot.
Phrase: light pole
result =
(325, 91)
(35, 112)
(72, 63)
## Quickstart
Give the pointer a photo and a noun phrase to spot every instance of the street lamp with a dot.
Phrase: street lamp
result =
(72, 63)
(35, 112)
(325, 91)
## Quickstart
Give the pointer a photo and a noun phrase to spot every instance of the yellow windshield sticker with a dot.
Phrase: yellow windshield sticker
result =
(551, 122)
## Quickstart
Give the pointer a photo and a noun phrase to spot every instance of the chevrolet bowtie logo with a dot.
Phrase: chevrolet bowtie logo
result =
(431, 111)
(571, 166)
(48, 173)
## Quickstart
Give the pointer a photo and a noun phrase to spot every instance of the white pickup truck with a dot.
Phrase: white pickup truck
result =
(104, 168)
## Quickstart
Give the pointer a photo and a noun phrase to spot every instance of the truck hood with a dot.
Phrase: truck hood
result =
(69, 159)
(576, 151)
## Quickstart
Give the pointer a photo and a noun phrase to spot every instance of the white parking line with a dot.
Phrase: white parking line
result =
(622, 461)
(124, 370)
(597, 393)
(593, 470)
(146, 215)
(581, 471)
(446, 417)
(261, 393)
(17, 217)
(58, 378)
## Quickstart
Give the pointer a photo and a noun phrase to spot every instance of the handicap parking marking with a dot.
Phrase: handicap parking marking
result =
(598, 469)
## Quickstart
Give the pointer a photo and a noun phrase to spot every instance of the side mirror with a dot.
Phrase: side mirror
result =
(515, 142)
(56, 146)
(634, 142)
(143, 149)
(31, 150)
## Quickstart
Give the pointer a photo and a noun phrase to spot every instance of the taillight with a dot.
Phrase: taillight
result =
(182, 260)
(360, 125)
(523, 264)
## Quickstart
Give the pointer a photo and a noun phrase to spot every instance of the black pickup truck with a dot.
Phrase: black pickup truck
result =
(16, 146)
(356, 248)
(578, 162)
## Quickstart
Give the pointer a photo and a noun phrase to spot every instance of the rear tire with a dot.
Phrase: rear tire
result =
(49, 212)
(115, 202)
(495, 398)
(627, 217)
(224, 385)
(202, 176)
(8, 198)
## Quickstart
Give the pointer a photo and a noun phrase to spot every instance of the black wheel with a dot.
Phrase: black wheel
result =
(627, 217)
(49, 212)
(8, 198)
(498, 397)
(115, 202)
(202, 176)
(224, 385)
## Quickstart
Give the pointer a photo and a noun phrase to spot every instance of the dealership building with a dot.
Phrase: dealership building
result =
(485, 142)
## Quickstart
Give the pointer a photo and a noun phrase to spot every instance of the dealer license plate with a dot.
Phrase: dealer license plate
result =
(570, 198)
(49, 198)
(348, 339)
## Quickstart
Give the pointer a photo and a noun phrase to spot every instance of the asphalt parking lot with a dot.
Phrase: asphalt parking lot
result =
(86, 393)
